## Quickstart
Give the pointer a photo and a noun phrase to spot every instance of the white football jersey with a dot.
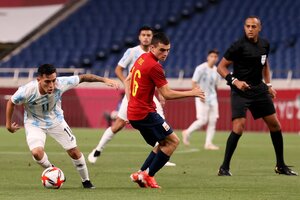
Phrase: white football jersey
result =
(130, 56)
(207, 78)
(43, 111)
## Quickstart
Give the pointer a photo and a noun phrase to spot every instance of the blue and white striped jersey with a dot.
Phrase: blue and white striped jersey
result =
(207, 78)
(130, 56)
(43, 111)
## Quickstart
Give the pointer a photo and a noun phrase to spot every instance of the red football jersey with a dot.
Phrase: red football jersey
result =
(147, 74)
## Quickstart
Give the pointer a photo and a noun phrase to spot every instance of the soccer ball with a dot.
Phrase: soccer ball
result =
(53, 178)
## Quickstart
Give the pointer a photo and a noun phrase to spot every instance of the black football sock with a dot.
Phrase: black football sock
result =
(278, 146)
(158, 162)
(148, 161)
(230, 147)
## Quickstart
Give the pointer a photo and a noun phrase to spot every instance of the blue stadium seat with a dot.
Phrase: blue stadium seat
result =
(199, 25)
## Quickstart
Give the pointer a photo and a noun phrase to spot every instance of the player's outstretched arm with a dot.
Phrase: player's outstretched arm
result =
(95, 78)
(11, 127)
(168, 93)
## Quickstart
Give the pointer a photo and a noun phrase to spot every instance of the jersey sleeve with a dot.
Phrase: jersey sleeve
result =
(158, 76)
(126, 59)
(19, 97)
(197, 74)
(232, 52)
(67, 83)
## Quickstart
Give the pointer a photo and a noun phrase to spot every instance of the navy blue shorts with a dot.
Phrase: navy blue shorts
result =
(153, 128)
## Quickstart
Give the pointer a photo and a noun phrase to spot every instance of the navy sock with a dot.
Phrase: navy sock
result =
(148, 161)
(158, 162)
(278, 147)
(230, 148)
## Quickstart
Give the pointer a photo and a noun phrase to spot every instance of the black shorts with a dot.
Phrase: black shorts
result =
(260, 106)
(153, 128)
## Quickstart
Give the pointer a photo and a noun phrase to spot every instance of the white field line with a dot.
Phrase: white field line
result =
(118, 152)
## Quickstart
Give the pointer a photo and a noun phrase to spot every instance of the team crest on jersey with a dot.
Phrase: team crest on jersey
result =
(166, 126)
(263, 59)
(140, 61)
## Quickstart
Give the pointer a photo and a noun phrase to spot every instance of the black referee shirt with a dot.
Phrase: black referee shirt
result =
(248, 58)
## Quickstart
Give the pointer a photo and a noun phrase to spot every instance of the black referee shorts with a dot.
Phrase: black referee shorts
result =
(153, 128)
(260, 106)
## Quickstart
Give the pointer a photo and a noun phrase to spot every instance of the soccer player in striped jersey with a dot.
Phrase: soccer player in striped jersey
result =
(206, 77)
(126, 62)
(43, 115)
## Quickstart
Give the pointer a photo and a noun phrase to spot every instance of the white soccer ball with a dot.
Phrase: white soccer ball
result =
(53, 178)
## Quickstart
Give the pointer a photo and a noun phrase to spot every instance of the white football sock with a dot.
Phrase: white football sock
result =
(81, 167)
(210, 132)
(106, 137)
(44, 162)
(194, 126)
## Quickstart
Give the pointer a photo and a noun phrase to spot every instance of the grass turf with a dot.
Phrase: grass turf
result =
(194, 177)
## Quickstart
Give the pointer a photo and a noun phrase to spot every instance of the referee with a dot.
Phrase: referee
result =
(250, 65)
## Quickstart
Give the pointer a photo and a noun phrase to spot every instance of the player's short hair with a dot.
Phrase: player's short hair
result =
(47, 69)
(145, 28)
(213, 51)
(160, 37)
(253, 17)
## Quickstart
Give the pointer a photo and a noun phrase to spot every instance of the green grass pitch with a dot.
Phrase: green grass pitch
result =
(194, 177)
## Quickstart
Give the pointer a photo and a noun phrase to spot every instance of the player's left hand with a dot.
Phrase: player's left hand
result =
(199, 93)
(112, 83)
(13, 127)
(272, 92)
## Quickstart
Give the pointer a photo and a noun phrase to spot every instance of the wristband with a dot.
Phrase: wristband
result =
(230, 79)
(269, 84)
(235, 79)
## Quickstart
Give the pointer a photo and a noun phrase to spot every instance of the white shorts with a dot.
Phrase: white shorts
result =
(123, 108)
(36, 137)
(205, 111)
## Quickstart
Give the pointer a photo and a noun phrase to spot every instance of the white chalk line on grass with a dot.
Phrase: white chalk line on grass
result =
(118, 152)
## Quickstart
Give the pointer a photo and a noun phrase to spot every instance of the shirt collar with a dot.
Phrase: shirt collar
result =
(245, 37)
(153, 56)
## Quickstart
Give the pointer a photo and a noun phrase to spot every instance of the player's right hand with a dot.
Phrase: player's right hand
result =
(13, 127)
(272, 92)
(112, 83)
(241, 85)
(199, 93)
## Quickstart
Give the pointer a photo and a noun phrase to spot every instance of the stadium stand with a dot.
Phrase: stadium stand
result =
(96, 35)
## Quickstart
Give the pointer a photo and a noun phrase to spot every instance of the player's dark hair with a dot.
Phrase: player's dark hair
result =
(213, 51)
(145, 28)
(253, 17)
(160, 37)
(47, 69)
